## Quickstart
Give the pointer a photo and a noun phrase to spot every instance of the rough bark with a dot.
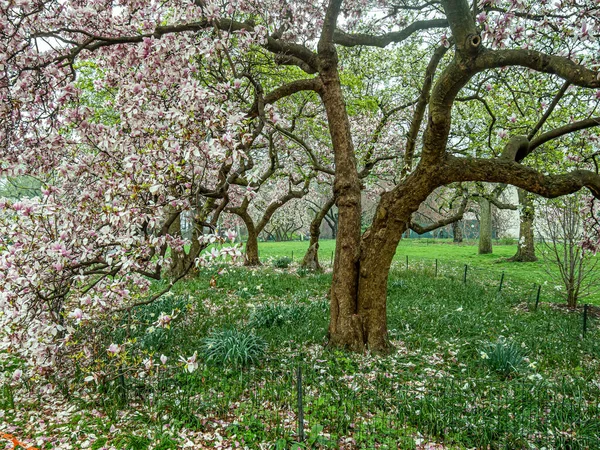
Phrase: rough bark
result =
(485, 226)
(311, 258)
(457, 231)
(526, 246)
(252, 258)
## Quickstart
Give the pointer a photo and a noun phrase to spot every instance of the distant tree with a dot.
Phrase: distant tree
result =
(571, 263)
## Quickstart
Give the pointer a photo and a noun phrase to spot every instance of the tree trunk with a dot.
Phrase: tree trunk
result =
(457, 231)
(378, 247)
(345, 329)
(485, 226)
(252, 247)
(177, 256)
(526, 246)
(311, 258)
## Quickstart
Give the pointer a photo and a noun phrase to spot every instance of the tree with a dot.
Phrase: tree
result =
(486, 201)
(172, 45)
(526, 245)
(568, 261)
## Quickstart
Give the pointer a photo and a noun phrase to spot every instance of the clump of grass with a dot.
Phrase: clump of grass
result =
(283, 262)
(275, 314)
(503, 357)
(232, 347)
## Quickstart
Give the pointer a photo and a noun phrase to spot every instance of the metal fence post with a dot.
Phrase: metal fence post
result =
(300, 406)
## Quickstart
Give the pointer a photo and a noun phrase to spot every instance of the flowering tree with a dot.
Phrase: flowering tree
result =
(175, 127)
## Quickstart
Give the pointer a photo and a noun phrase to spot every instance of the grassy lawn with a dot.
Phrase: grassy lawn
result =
(452, 259)
(471, 368)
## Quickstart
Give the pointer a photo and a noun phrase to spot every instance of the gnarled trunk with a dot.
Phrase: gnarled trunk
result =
(526, 246)
(344, 328)
(457, 231)
(485, 226)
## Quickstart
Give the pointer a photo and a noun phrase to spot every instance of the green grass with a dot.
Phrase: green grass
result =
(435, 385)
(451, 261)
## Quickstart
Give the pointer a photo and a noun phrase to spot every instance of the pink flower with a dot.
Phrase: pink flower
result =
(76, 314)
(113, 349)
(17, 374)
(230, 235)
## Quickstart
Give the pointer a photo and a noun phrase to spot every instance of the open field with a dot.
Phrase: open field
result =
(451, 261)
(444, 386)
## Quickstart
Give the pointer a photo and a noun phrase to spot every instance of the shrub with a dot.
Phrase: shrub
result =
(233, 347)
(275, 314)
(502, 357)
(283, 262)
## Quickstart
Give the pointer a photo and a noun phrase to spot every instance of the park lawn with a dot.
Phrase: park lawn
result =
(442, 383)
(452, 259)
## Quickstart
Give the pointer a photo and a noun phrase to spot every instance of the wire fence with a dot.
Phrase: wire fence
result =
(369, 408)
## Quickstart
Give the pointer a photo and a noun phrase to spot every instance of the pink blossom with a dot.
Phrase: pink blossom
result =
(113, 349)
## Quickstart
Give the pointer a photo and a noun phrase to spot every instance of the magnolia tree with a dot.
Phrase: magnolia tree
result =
(178, 77)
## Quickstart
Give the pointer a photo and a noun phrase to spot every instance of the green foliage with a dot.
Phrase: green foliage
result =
(282, 262)
(503, 357)
(435, 382)
(232, 347)
(276, 314)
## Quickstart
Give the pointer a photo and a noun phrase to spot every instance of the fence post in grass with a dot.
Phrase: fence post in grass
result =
(501, 282)
(300, 407)
(585, 318)
(292, 255)
(406, 262)
(436, 267)
(332, 258)
(465, 277)
(537, 297)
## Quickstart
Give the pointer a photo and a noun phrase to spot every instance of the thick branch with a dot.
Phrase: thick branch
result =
(351, 40)
(509, 172)
(310, 84)
(443, 222)
(541, 62)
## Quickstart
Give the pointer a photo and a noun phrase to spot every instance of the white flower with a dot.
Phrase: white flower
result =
(484, 355)
(163, 359)
(191, 363)
(459, 309)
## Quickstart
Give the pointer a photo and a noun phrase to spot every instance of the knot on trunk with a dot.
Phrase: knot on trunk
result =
(516, 149)
(472, 43)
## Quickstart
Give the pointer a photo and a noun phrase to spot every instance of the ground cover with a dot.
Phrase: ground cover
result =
(472, 367)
